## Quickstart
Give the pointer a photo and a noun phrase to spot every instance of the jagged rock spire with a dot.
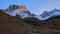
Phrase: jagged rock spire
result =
(23, 8)
(12, 7)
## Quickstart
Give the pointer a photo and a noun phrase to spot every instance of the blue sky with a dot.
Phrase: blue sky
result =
(34, 6)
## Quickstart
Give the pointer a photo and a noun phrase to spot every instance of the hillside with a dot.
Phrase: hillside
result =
(9, 24)
(15, 25)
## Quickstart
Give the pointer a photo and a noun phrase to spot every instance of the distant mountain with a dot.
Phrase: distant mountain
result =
(48, 14)
(23, 12)
(20, 10)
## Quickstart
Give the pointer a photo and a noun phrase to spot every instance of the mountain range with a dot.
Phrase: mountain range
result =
(23, 12)
(19, 20)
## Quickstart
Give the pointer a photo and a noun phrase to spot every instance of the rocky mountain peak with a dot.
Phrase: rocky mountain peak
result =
(23, 8)
(20, 10)
(17, 7)
(12, 7)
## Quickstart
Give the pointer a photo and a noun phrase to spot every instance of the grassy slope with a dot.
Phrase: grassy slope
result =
(14, 25)
(9, 24)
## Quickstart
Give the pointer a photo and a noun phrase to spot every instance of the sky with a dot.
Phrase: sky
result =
(34, 6)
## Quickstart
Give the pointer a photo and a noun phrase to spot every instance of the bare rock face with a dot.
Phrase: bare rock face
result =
(12, 7)
(22, 7)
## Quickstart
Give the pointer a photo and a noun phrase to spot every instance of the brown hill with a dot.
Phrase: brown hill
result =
(15, 25)
(9, 24)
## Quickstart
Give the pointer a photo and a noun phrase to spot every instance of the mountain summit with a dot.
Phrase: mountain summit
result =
(12, 7)
(23, 8)
(20, 10)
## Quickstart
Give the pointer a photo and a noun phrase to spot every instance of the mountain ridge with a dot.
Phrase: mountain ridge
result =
(16, 25)
(48, 14)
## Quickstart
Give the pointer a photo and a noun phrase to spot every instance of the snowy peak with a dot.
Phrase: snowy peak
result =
(20, 10)
(48, 14)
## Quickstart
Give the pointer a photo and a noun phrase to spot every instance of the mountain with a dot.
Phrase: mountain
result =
(19, 20)
(19, 10)
(23, 12)
(30, 25)
(48, 14)
(16, 25)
